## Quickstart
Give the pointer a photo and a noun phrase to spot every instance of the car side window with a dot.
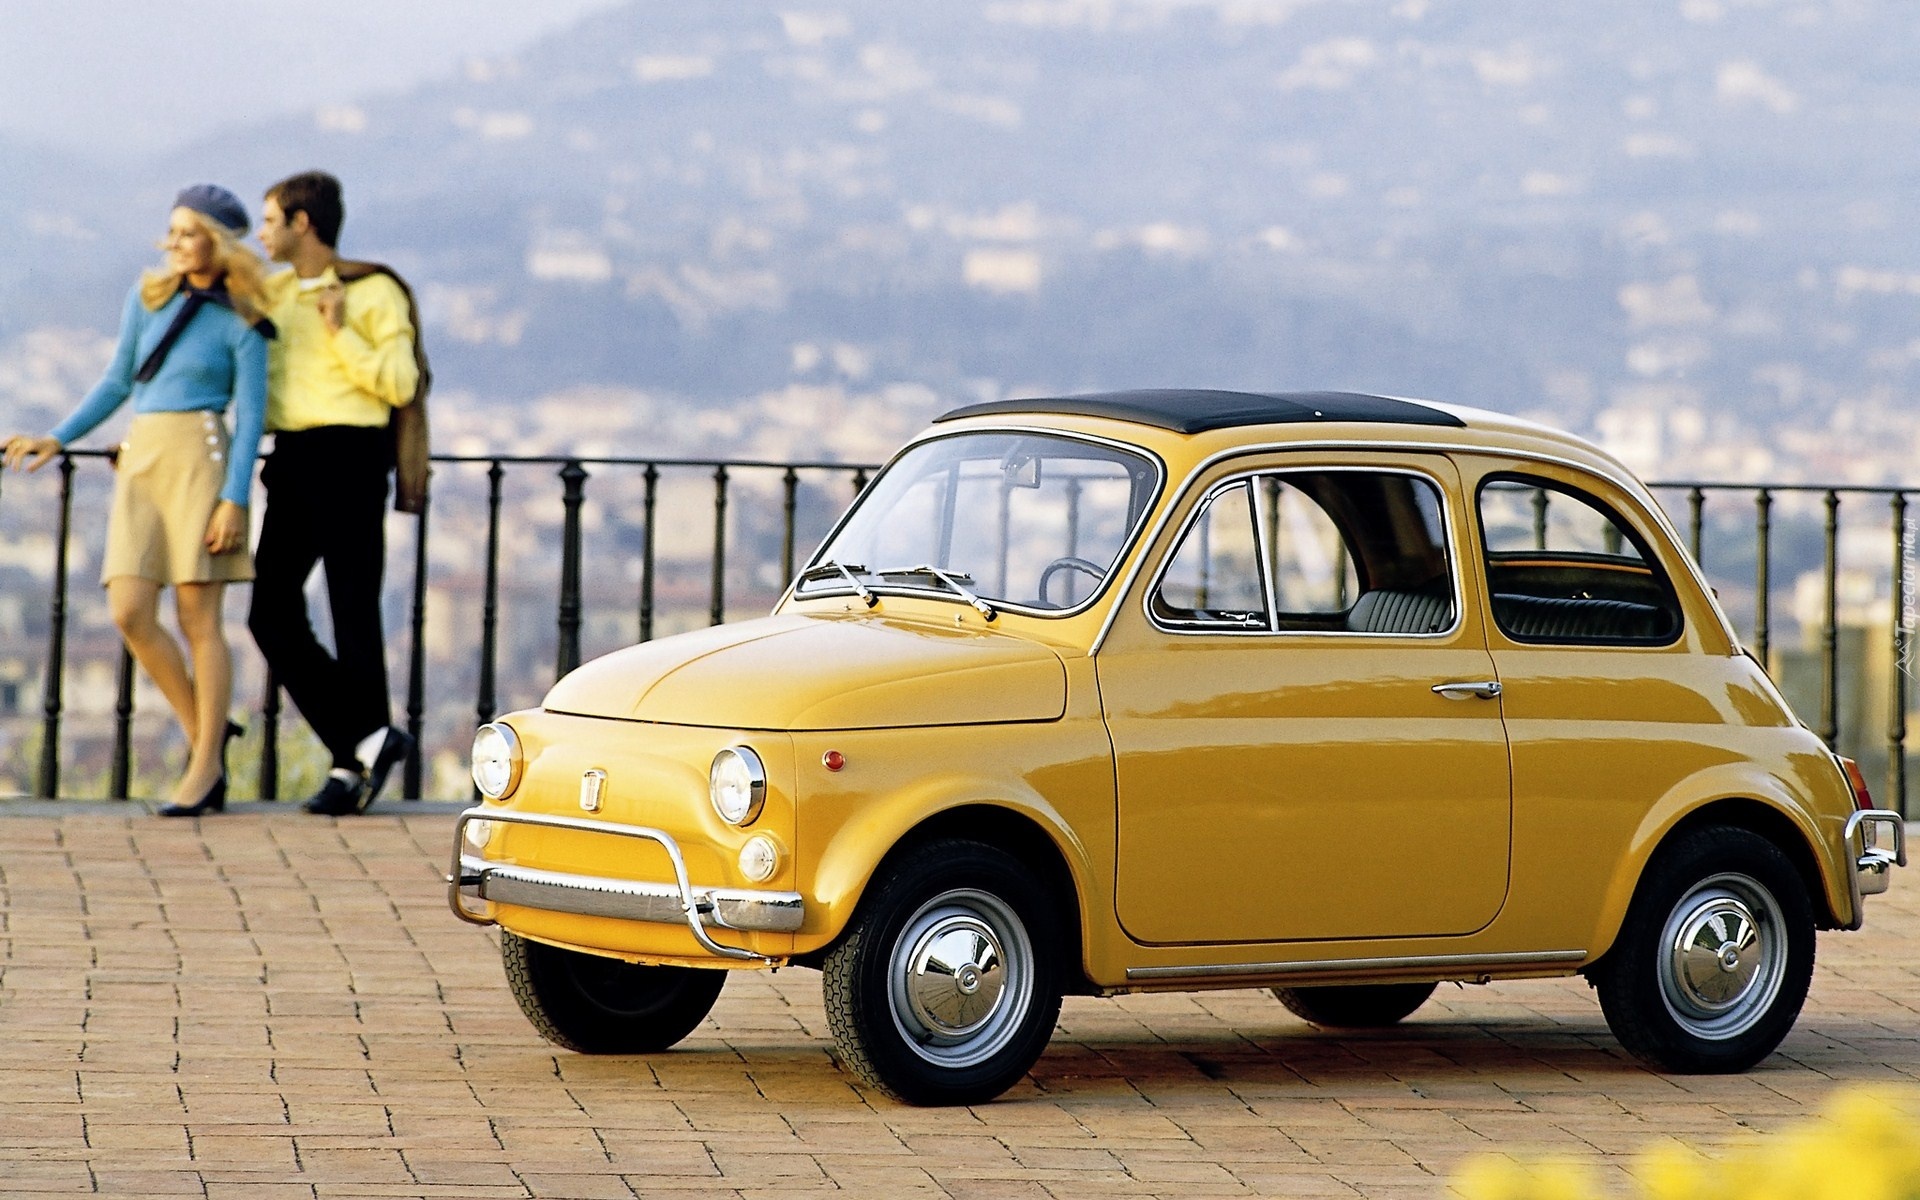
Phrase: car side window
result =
(1214, 579)
(1563, 567)
(1358, 552)
(1313, 575)
(1335, 551)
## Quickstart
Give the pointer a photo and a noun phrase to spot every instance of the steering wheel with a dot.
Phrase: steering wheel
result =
(1068, 563)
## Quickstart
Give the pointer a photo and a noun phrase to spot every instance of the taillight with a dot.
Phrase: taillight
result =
(1862, 799)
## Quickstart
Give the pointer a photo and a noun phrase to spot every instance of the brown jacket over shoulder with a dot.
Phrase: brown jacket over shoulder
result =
(409, 424)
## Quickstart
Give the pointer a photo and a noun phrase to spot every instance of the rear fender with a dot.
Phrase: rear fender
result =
(1735, 795)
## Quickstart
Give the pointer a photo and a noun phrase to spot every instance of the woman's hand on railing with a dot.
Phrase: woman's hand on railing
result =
(31, 452)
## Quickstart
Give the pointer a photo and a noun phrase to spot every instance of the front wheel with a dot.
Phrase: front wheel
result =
(595, 1005)
(946, 986)
(1715, 956)
(1354, 1006)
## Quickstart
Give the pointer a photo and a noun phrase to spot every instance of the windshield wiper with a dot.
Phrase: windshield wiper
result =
(829, 568)
(951, 579)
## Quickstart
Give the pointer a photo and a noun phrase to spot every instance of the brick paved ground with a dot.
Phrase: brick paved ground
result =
(271, 1005)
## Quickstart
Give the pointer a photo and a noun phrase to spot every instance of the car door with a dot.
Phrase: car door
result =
(1305, 718)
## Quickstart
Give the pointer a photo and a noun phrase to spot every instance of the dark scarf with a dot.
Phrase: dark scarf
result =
(196, 298)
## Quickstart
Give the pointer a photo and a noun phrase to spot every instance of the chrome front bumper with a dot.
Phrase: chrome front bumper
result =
(676, 903)
(1872, 865)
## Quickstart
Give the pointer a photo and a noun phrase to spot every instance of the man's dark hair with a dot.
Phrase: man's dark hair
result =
(316, 194)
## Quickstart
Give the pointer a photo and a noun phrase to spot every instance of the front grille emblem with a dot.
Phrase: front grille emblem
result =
(593, 786)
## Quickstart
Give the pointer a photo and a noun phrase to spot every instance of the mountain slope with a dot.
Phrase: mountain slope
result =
(1647, 205)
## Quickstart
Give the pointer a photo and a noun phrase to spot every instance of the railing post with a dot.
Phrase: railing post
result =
(1763, 577)
(47, 784)
(652, 476)
(1830, 656)
(484, 704)
(716, 608)
(417, 657)
(573, 477)
(1696, 500)
(859, 481)
(1539, 518)
(270, 740)
(123, 730)
(490, 599)
(1897, 678)
(1003, 538)
(790, 501)
(1073, 520)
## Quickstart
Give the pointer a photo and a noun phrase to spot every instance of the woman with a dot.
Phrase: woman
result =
(191, 342)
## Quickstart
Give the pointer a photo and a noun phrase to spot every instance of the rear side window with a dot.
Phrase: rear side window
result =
(1564, 568)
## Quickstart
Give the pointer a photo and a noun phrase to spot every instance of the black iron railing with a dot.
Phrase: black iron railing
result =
(574, 473)
(1899, 626)
(779, 492)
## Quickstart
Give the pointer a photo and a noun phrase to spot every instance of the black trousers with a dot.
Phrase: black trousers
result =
(326, 506)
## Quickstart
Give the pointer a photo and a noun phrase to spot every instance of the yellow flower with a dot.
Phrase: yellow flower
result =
(1865, 1145)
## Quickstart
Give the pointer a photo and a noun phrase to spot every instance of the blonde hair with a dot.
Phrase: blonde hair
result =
(245, 274)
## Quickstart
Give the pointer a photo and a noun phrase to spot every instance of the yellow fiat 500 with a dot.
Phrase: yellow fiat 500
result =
(1334, 694)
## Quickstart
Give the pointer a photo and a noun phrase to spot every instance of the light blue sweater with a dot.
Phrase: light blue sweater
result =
(218, 357)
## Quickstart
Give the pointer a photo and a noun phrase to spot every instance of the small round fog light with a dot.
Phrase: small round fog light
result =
(759, 858)
(477, 833)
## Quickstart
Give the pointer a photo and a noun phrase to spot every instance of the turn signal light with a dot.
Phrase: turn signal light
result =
(1862, 799)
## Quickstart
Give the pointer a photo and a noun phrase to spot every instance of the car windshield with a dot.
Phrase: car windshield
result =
(1027, 520)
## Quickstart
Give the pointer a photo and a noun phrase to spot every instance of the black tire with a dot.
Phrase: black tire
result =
(946, 986)
(1355, 1006)
(595, 1005)
(1715, 956)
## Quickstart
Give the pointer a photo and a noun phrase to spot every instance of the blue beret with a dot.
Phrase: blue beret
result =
(212, 200)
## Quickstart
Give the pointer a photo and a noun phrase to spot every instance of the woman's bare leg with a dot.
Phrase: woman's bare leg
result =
(199, 606)
(135, 606)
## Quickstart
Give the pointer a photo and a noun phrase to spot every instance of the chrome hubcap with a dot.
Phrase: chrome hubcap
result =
(1724, 956)
(954, 975)
(1717, 953)
(960, 978)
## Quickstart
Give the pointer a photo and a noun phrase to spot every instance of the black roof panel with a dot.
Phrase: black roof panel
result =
(1198, 410)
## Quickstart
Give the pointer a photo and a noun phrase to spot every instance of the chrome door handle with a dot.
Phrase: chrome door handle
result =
(1488, 689)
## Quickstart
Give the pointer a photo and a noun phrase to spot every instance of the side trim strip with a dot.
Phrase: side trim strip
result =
(1433, 962)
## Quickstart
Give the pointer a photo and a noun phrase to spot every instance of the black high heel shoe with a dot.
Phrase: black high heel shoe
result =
(214, 801)
(234, 730)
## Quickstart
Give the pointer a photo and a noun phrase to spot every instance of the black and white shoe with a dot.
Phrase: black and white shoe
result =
(342, 795)
(380, 752)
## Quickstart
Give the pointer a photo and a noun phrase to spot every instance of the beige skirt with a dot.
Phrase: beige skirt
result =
(171, 469)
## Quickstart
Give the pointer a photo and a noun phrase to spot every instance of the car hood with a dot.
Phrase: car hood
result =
(801, 672)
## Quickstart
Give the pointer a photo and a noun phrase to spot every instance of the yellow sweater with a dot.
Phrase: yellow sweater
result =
(356, 376)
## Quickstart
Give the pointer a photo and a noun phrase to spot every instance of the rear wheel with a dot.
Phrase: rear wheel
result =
(596, 1005)
(1354, 1006)
(1715, 956)
(946, 986)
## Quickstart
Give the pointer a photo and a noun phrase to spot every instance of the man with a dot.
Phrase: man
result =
(343, 362)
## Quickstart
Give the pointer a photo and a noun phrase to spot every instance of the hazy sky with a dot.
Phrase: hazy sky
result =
(106, 78)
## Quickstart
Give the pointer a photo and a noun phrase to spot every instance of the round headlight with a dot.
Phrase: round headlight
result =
(759, 858)
(738, 785)
(496, 761)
